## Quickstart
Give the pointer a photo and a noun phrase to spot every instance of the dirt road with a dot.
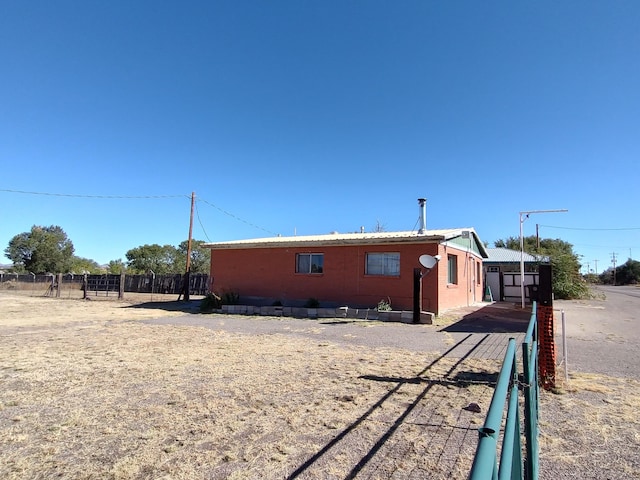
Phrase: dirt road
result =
(603, 335)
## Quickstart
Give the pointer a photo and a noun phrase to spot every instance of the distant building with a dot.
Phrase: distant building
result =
(502, 273)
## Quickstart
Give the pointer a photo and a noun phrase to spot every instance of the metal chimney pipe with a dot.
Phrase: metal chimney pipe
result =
(423, 215)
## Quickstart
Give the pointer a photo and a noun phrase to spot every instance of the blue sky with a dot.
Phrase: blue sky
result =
(308, 117)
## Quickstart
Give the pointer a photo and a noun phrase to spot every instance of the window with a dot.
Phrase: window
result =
(309, 262)
(452, 272)
(478, 273)
(383, 264)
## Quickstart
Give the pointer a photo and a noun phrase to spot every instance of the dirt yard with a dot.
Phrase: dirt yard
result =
(89, 391)
(109, 390)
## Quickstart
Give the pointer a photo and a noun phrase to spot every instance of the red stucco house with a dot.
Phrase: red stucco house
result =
(352, 269)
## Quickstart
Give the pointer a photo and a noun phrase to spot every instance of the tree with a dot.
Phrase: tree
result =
(626, 274)
(200, 257)
(565, 264)
(85, 265)
(159, 259)
(41, 250)
(116, 267)
(379, 227)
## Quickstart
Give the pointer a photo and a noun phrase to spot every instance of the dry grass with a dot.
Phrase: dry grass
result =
(23, 310)
(88, 393)
(593, 427)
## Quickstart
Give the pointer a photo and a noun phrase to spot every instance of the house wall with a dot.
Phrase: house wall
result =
(270, 273)
(469, 286)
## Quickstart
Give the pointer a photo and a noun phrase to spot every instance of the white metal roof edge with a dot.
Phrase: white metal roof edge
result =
(334, 239)
(507, 255)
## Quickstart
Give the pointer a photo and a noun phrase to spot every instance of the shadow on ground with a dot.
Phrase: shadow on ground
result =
(493, 318)
(192, 306)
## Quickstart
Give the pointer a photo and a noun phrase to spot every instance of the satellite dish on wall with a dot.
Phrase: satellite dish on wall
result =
(427, 261)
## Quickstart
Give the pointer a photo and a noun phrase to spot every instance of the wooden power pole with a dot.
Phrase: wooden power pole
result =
(186, 282)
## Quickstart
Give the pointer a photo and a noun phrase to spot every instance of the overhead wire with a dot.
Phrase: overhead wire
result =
(235, 216)
(596, 230)
(75, 195)
(200, 221)
(592, 229)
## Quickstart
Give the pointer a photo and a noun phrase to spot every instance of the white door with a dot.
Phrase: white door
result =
(493, 282)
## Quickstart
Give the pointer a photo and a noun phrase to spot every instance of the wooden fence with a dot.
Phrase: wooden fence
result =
(79, 286)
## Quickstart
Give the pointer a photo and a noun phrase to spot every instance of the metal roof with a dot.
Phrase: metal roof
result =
(506, 255)
(333, 239)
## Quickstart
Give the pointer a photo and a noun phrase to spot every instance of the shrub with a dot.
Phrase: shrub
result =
(230, 298)
(210, 302)
(384, 305)
(312, 303)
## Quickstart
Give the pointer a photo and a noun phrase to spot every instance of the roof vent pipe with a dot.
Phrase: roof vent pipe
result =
(423, 215)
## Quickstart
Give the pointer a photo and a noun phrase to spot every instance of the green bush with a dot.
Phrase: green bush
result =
(384, 305)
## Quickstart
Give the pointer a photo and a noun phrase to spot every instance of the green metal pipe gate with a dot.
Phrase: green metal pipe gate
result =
(512, 464)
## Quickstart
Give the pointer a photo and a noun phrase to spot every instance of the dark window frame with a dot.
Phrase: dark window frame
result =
(382, 268)
(310, 267)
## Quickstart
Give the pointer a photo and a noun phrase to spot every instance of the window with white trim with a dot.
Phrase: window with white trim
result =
(309, 263)
(387, 264)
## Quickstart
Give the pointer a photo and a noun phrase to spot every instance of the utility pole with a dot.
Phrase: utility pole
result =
(186, 281)
(596, 261)
(523, 216)
(613, 260)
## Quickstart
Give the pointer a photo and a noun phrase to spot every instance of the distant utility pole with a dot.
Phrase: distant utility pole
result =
(613, 260)
(596, 262)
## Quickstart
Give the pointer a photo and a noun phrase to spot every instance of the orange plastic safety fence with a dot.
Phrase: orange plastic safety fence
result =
(546, 347)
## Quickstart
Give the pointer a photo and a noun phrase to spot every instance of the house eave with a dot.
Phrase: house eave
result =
(337, 239)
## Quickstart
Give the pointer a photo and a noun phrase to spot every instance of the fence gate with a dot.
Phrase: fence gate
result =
(106, 285)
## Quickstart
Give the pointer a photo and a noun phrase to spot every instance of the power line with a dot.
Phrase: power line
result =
(236, 217)
(200, 222)
(593, 229)
(73, 195)
(604, 246)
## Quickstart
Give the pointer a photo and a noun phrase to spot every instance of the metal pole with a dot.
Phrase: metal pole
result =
(527, 213)
(417, 294)
(521, 262)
